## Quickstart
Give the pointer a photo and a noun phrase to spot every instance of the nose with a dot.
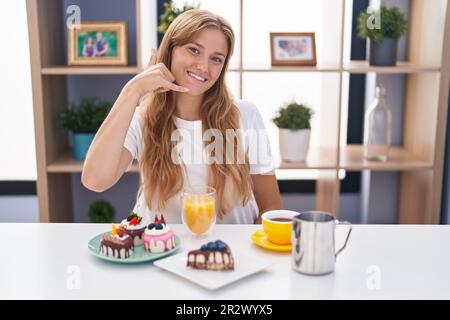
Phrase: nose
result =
(202, 66)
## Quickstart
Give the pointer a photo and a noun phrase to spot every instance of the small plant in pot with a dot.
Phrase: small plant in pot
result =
(101, 211)
(83, 121)
(383, 28)
(294, 124)
(171, 11)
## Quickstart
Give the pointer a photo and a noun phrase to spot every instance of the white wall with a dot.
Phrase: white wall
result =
(19, 209)
(17, 147)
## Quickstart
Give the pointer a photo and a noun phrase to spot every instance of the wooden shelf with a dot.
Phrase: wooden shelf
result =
(67, 164)
(425, 106)
(401, 67)
(66, 70)
(318, 158)
(318, 68)
(352, 159)
(355, 66)
(352, 67)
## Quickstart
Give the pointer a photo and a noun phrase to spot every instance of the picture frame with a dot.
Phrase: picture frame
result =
(96, 43)
(293, 48)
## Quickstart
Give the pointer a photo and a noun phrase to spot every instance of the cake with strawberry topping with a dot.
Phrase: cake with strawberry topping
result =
(117, 244)
(135, 226)
(158, 237)
(214, 256)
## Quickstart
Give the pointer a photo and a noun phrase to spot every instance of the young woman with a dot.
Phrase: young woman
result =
(89, 48)
(183, 89)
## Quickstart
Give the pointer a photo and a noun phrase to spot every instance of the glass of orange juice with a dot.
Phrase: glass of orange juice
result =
(199, 209)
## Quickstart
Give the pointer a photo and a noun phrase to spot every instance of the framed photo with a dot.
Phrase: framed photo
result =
(293, 49)
(98, 43)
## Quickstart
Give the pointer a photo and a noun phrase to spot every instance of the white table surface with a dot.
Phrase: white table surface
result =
(39, 261)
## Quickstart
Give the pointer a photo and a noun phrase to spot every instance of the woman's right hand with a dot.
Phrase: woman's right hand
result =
(155, 78)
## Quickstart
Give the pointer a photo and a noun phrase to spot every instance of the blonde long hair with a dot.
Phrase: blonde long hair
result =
(161, 177)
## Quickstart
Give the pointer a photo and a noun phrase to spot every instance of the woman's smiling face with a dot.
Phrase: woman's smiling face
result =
(198, 64)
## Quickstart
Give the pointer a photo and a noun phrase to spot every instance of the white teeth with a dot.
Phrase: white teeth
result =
(196, 76)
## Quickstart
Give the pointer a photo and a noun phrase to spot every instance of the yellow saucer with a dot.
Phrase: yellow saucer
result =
(259, 237)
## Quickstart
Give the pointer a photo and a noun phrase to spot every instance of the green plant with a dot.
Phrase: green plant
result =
(294, 116)
(87, 117)
(392, 24)
(101, 211)
(170, 13)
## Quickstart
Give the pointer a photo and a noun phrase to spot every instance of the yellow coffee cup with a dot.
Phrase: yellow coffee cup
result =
(277, 224)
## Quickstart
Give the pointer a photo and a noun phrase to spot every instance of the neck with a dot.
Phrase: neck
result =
(188, 107)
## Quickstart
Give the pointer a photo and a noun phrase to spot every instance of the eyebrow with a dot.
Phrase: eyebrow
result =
(217, 52)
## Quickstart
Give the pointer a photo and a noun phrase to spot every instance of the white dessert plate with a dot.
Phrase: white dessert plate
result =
(245, 264)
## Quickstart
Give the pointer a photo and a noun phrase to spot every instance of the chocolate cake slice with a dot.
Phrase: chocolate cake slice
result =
(113, 246)
(117, 244)
(215, 256)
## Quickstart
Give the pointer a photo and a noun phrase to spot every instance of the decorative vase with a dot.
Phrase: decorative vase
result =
(294, 145)
(80, 144)
(377, 128)
(384, 52)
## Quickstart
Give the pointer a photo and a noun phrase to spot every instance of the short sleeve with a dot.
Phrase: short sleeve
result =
(133, 138)
(259, 151)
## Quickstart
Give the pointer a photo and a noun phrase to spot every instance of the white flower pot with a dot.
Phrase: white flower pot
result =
(294, 144)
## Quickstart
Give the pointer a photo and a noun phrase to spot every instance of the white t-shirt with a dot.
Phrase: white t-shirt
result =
(256, 146)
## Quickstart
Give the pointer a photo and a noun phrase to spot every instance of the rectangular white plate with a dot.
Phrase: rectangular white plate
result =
(245, 264)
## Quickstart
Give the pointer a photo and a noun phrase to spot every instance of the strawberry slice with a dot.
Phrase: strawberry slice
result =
(133, 221)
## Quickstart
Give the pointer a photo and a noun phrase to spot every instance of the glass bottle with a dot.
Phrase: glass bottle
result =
(377, 128)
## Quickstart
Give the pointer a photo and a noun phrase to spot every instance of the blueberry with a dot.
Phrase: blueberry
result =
(204, 247)
(129, 218)
(211, 246)
(159, 227)
(221, 247)
(151, 226)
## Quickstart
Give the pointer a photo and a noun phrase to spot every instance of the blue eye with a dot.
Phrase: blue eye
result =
(218, 60)
(192, 49)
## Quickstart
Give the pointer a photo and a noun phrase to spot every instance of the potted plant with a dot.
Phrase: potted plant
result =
(383, 28)
(171, 11)
(293, 121)
(83, 121)
(101, 211)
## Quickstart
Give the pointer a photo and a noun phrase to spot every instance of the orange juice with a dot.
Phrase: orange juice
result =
(198, 212)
